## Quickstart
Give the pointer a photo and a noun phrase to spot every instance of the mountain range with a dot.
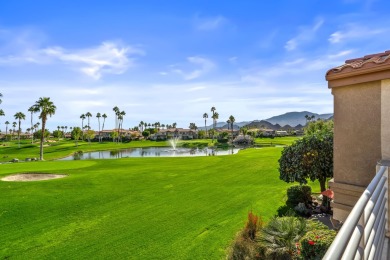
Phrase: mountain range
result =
(281, 122)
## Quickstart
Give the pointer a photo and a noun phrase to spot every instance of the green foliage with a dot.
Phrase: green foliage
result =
(285, 211)
(320, 128)
(90, 134)
(298, 194)
(308, 158)
(280, 236)
(145, 133)
(315, 243)
(76, 133)
(38, 134)
(201, 134)
(57, 133)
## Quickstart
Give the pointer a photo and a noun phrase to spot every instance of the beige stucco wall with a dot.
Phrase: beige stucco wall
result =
(357, 132)
(385, 118)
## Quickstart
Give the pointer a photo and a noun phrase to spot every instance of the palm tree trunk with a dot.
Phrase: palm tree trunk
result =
(19, 134)
(42, 139)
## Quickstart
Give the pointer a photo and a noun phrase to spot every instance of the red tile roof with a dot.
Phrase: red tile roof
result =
(367, 63)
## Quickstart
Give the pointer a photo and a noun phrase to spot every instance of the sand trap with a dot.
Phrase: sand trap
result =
(32, 177)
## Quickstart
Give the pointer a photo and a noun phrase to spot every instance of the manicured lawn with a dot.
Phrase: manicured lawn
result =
(137, 208)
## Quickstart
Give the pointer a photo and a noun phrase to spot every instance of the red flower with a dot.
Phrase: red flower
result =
(311, 242)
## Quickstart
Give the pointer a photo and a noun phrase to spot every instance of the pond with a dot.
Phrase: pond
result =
(151, 152)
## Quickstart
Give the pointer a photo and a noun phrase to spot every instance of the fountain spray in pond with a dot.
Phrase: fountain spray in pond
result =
(174, 142)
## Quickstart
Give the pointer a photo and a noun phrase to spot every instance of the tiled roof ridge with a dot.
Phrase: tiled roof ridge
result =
(374, 59)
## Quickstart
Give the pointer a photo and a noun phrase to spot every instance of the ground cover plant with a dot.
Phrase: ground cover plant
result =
(141, 208)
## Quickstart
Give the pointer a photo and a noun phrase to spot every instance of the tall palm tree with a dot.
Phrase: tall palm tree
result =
(46, 108)
(120, 126)
(32, 111)
(142, 126)
(82, 117)
(66, 129)
(215, 118)
(98, 116)
(14, 124)
(6, 127)
(58, 133)
(2, 112)
(88, 115)
(104, 120)
(205, 116)
(232, 120)
(19, 116)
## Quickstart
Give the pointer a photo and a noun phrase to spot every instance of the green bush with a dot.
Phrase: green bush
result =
(285, 211)
(298, 194)
(315, 243)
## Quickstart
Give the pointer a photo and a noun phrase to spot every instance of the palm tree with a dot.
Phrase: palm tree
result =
(98, 116)
(205, 116)
(13, 131)
(82, 125)
(19, 116)
(174, 125)
(1, 95)
(104, 120)
(46, 108)
(66, 129)
(58, 133)
(232, 120)
(32, 111)
(215, 118)
(2, 112)
(62, 133)
(120, 119)
(142, 126)
(6, 127)
(88, 115)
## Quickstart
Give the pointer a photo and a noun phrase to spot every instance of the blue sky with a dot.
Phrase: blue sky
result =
(171, 61)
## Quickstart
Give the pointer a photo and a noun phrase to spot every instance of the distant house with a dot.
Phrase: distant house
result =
(185, 134)
(106, 134)
(281, 133)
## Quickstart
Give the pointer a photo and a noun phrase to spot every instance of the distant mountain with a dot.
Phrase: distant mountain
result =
(224, 125)
(286, 121)
(263, 124)
(295, 118)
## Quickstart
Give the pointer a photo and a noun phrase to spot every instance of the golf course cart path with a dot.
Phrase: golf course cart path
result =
(32, 177)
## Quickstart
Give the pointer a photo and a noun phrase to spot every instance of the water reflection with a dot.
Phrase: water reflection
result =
(150, 152)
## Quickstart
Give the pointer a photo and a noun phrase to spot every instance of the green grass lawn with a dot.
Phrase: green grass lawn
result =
(137, 208)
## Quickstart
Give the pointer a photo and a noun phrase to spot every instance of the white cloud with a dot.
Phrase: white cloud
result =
(306, 34)
(108, 58)
(23, 46)
(202, 67)
(354, 31)
(209, 23)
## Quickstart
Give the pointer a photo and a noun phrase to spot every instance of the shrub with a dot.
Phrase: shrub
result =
(243, 249)
(298, 194)
(253, 224)
(280, 236)
(284, 211)
(244, 245)
(315, 243)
